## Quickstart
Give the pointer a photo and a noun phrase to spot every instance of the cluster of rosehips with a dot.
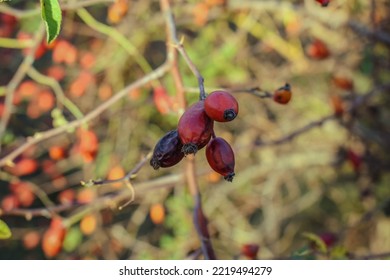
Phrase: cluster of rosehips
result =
(195, 130)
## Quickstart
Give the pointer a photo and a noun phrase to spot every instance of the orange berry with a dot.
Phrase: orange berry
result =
(23, 192)
(135, 94)
(27, 89)
(105, 91)
(88, 224)
(56, 72)
(52, 242)
(88, 140)
(157, 213)
(87, 145)
(45, 101)
(213, 177)
(116, 172)
(283, 94)
(200, 13)
(31, 240)
(9, 202)
(64, 52)
(87, 60)
(24, 166)
(85, 196)
(57, 152)
(59, 51)
(117, 11)
(67, 196)
(56, 223)
(81, 83)
(71, 55)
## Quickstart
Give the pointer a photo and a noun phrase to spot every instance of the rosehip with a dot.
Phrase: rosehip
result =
(220, 157)
(324, 3)
(221, 106)
(168, 151)
(195, 128)
(250, 250)
(283, 94)
(318, 50)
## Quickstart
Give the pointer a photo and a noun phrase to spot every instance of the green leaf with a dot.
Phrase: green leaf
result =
(5, 232)
(51, 14)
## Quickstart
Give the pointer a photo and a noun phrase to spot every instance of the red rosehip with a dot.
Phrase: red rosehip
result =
(221, 106)
(195, 128)
(168, 151)
(250, 250)
(318, 50)
(220, 157)
(283, 94)
(324, 3)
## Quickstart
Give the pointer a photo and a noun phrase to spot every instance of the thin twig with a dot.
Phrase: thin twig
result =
(298, 132)
(256, 91)
(116, 36)
(17, 78)
(357, 102)
(172, 52)
(199, 218)
(11, 43)
(193, 68)
(200, 222)
(41, 136)
(130, 175)
(114, 198)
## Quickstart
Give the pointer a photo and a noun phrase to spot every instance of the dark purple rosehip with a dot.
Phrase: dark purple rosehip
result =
(195, 128)
(221, 106)
(167, 151)
(220, 157)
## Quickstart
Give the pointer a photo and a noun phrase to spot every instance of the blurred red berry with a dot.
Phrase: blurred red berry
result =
(283, 94)
(250, 251)
(324, 3)
(318, 50)
(9, 202)
(162, 100)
